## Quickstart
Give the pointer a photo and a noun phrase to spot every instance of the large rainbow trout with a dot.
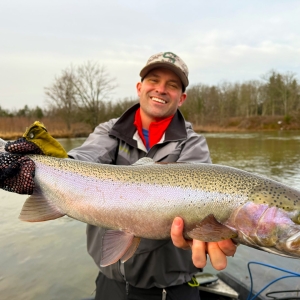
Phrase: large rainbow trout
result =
(140, 201)
(215, 202)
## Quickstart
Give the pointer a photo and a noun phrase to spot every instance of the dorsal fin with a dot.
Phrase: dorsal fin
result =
(144, 161)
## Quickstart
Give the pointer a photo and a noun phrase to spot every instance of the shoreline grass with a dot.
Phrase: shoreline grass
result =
(13, 128)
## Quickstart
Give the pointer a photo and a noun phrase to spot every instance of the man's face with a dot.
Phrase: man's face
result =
(160, 95)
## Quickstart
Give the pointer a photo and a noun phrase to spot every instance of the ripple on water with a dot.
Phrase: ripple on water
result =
(49, 260)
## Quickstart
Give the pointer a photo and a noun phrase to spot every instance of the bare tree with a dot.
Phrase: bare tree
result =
(93, 88)
(61, 96)
(289, 92)
(249, 98)
(193, 109)
(81, 92)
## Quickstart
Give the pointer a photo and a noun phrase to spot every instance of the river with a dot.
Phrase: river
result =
(49, 260)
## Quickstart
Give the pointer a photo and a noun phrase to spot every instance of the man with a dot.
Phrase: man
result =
(153, 128)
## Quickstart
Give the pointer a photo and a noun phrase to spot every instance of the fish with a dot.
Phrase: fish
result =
(140, 201)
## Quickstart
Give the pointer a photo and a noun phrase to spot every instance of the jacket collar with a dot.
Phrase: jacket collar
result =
(125, 130)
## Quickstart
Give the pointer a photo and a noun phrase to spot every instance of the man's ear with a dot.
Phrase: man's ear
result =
(183, 97)
(138, 88)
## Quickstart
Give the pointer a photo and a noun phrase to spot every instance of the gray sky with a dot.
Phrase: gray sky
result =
(233, 40)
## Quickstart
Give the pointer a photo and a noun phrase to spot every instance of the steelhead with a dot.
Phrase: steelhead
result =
(140, 201)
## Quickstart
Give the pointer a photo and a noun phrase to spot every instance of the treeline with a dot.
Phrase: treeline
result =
(36, 112)
(275, 95)
(84, 94)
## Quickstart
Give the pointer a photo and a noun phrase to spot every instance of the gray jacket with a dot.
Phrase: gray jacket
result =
(156, 262)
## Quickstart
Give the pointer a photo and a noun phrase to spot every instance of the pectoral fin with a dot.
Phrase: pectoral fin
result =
(37, 209)
(210, 230)
(117, 245)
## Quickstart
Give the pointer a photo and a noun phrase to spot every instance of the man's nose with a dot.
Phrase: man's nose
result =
(161, 88)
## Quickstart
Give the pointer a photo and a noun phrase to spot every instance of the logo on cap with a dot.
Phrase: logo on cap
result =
(172, 59)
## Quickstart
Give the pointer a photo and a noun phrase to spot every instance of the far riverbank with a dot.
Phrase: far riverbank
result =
(13, 128)
(252, 124)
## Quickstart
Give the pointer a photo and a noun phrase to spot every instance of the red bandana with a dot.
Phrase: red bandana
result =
(156, 129)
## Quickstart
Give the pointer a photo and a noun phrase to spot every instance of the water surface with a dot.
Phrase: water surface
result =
(49, 260)
(275, 154)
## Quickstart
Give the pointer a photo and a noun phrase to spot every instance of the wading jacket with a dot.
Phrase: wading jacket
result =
(156, 262)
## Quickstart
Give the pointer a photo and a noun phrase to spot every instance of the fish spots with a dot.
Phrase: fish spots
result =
(276, 194)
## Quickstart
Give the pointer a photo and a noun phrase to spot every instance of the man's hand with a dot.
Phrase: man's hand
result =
(16, 173)
(16, 169)
(217, 251)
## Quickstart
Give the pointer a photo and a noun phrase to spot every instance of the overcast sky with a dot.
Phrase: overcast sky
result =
(232, 40)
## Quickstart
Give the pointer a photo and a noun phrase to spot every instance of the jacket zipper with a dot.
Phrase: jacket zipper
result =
(122, 271)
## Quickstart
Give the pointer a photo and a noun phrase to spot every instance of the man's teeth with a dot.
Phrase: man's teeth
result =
(158, 100)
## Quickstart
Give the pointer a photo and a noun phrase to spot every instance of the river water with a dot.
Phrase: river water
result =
(49, 260)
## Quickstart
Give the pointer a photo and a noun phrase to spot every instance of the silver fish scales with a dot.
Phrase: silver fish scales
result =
(140, 201)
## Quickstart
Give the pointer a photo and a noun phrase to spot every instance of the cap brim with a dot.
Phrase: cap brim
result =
(168, 66)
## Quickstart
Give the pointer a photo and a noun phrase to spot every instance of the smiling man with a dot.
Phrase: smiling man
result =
(159, 269)
(160, 95)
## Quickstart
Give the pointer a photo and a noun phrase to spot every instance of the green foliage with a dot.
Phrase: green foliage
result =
(24, 112)
(287, 119)
(38, 113)
(5, 113)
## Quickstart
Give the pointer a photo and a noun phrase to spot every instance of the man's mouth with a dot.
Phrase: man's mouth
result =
(158, 100)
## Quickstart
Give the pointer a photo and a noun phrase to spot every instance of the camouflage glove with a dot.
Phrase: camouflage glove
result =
(16, 169)
(16, 173)
(37, 140)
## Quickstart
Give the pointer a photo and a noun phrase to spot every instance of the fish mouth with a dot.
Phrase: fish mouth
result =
(159, 100)
(293, 243)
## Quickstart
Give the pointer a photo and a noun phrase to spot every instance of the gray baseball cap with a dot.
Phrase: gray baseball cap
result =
(168, 60)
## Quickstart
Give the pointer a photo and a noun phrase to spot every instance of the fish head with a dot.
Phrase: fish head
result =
(268, 228)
